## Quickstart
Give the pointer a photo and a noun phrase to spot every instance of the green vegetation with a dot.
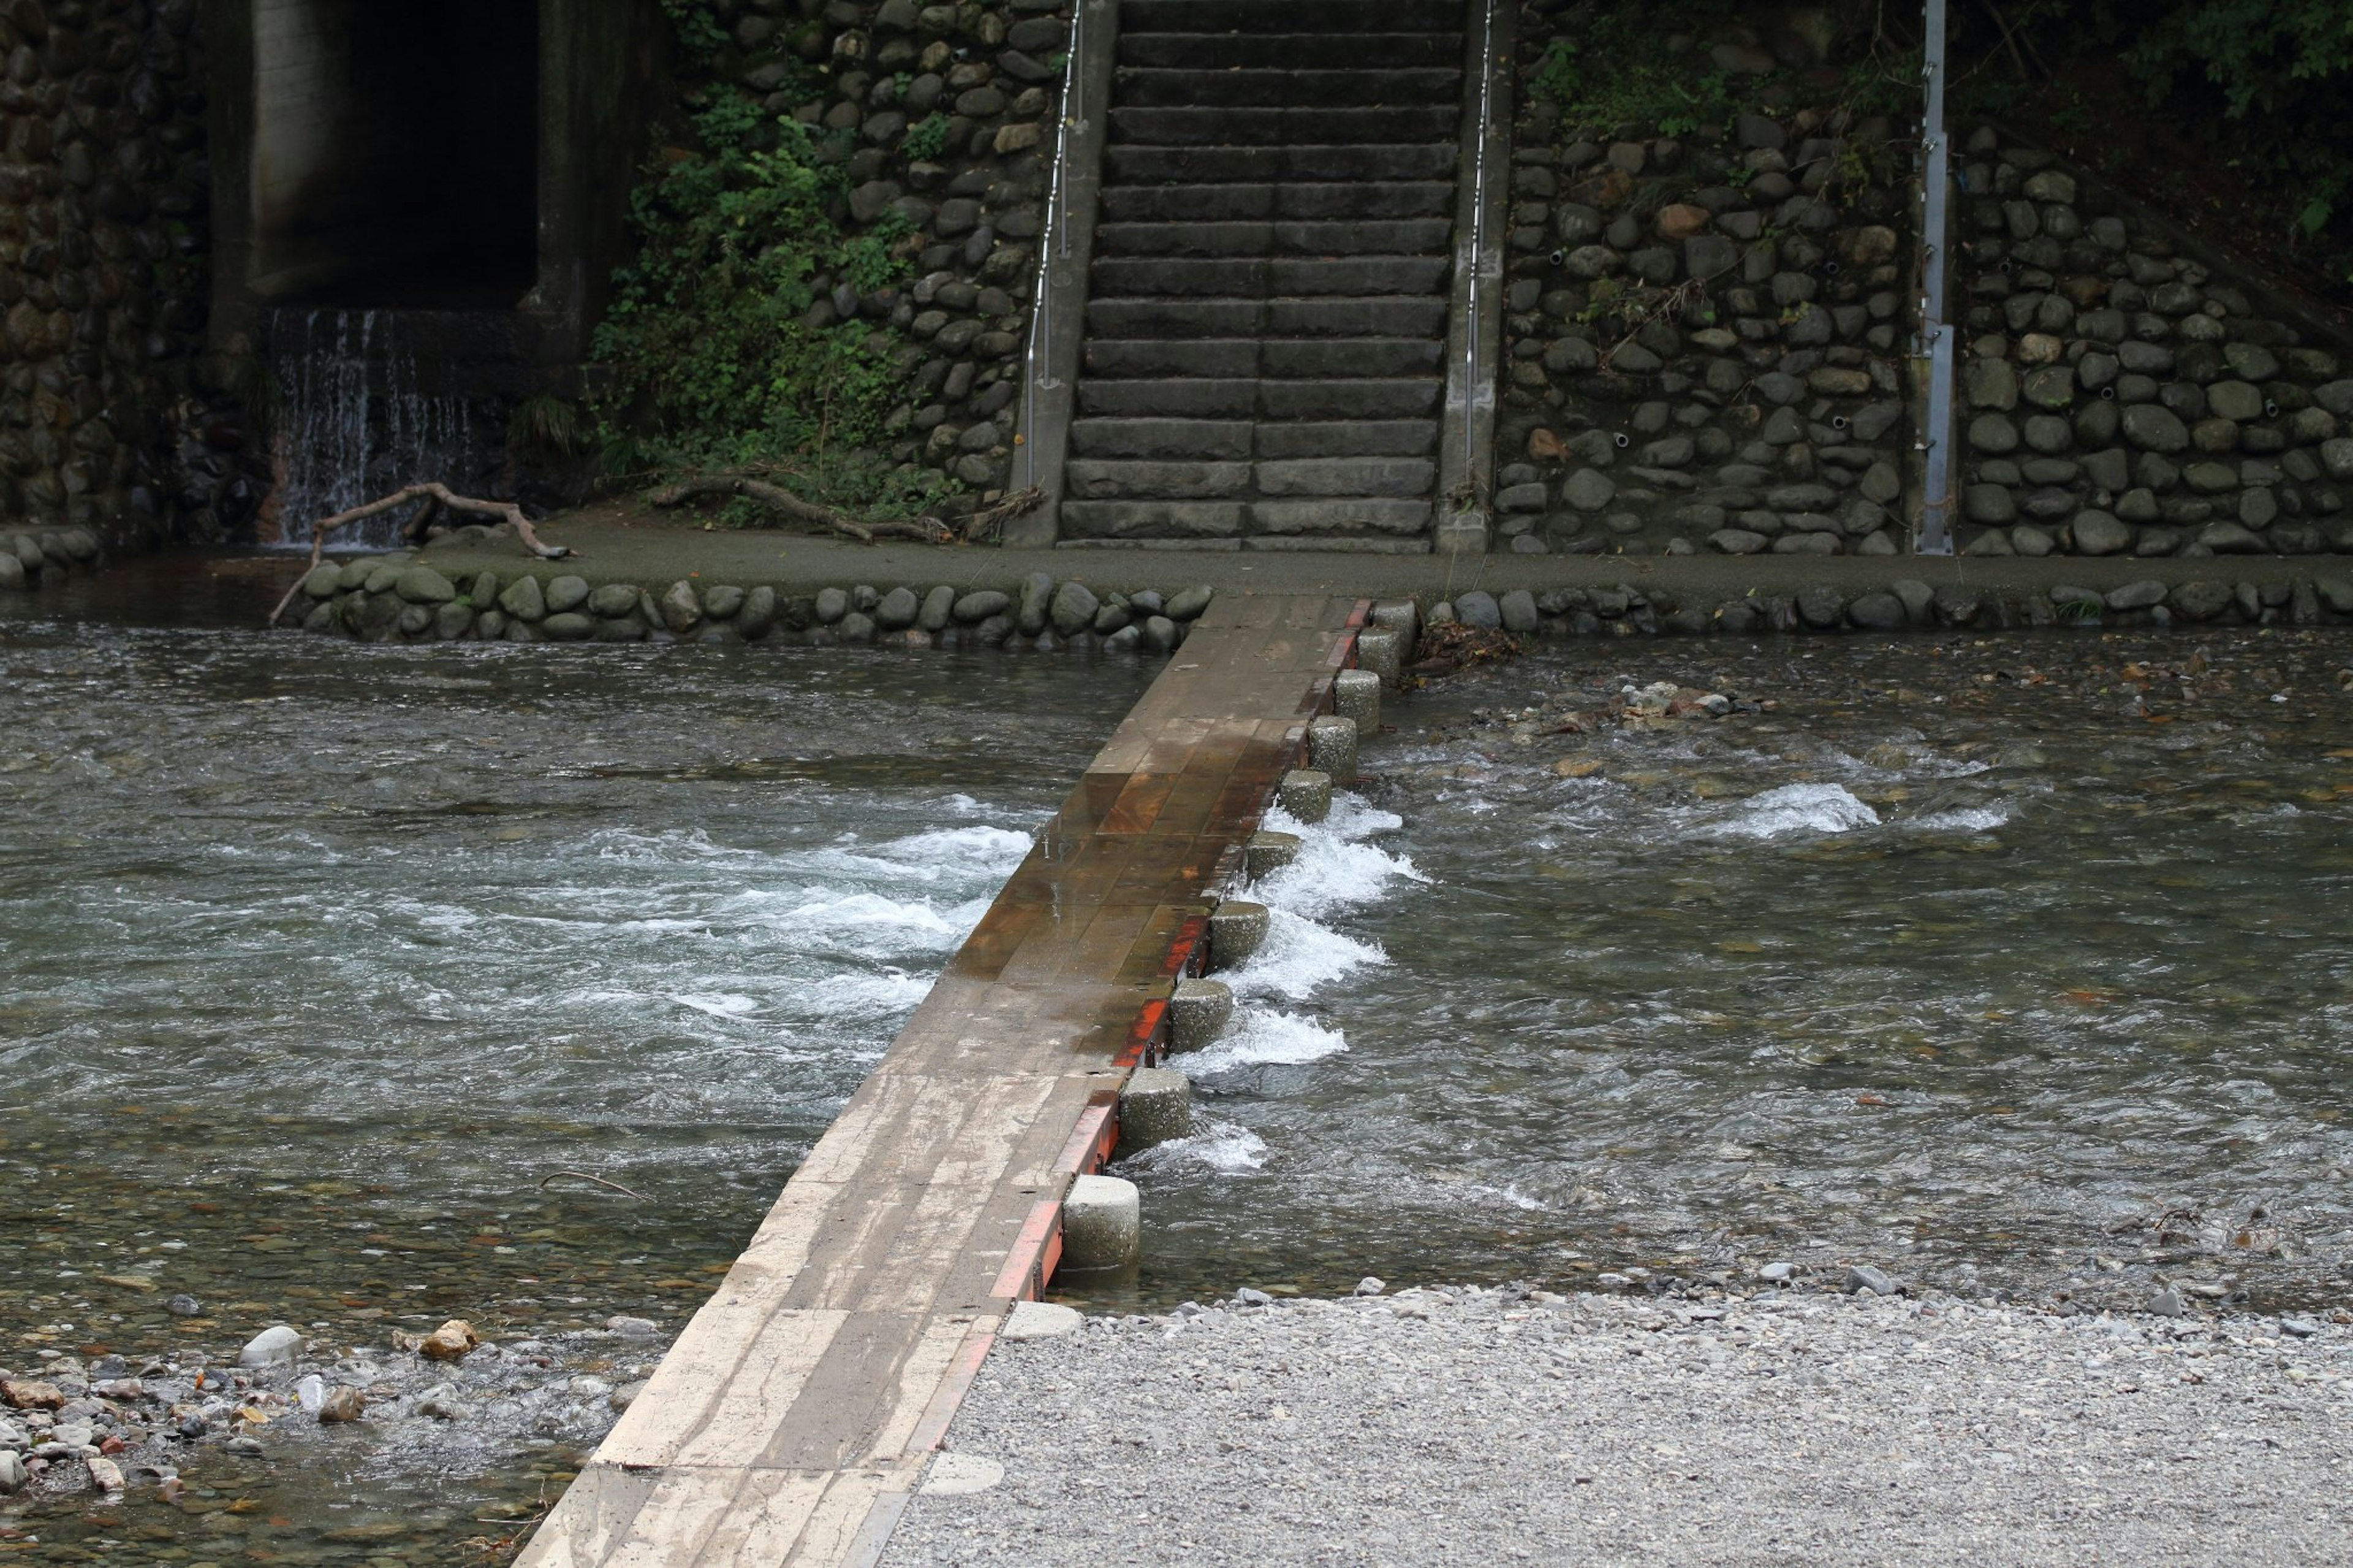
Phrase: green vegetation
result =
(2243, 103)
(719, 359)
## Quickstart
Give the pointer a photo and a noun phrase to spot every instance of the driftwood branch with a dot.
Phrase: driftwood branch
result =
(986, 522)
(925, 528)
(434, 496)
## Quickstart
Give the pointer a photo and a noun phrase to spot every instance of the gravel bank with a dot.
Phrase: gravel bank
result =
(1508, 1426)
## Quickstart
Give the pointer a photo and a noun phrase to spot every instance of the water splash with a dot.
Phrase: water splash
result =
(357, 424)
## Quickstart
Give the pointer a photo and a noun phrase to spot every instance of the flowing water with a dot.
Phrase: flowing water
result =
(341, 980)
(360, 423)
(2022, 964)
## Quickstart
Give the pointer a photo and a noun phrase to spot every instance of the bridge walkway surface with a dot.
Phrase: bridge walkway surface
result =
(791, 1421)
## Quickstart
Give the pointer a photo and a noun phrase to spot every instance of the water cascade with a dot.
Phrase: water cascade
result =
(359, 422)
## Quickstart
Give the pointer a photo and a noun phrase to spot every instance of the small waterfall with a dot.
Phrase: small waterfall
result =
(356, 422)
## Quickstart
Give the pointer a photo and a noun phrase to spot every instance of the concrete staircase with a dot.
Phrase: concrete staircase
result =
(1267, 317)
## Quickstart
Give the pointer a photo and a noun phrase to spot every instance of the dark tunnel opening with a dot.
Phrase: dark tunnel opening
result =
(396, 152)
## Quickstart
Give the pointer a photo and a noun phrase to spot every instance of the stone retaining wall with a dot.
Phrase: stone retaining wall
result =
(2118, 397)
(396, 598)
(942, 115)
(28, 556)
(1626, 610)
(103, 274)
(1706, 334)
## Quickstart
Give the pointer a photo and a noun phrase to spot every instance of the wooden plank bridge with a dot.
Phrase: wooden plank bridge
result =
(791, 1421)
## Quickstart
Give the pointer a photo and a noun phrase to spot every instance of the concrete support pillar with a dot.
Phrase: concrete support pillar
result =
(1102, 1224)
(1401, 618)
(1156, 1107)
(1305, 793)
(1356, 694)
(1332, 748)
(1236, 930)
(1269, 852)
(1197, 1012)
(1379, 651)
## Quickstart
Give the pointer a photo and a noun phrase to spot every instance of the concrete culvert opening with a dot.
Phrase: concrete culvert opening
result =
(396, 153)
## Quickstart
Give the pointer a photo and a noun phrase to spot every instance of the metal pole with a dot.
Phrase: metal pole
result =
(1935, 331)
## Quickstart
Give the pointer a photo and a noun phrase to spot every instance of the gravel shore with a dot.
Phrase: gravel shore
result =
(1505, 1426)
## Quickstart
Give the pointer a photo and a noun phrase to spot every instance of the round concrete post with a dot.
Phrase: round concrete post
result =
(1156, 1107)
(1102, 1224)
(1356, 694)
(1402, 617)
(1332, 748)
(1378, 651)
(1305, 793)
(1236, 930)
(1269, 852)
(1197, 1012)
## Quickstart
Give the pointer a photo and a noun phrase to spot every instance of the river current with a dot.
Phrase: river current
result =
(360, 988)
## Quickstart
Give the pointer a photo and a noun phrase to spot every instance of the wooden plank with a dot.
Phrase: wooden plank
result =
(790, 1420)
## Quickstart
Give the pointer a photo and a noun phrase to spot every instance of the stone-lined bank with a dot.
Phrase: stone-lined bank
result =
(1624, 609)
(398, 598)
(29, 556)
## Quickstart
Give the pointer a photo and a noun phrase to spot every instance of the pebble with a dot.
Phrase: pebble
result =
(271, 1347)
(1503, 1426)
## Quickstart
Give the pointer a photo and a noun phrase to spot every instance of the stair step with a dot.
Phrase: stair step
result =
(1306, 51)
(1233, 440)
(1354, 202)
(1207, 357)
(1285, 86)
(1366, 522)
(1129, 165)
(1350, 544)
(1275, 127)
(1161, 398)
(1236, 314)
(1349, 438)
(1157, 478)
(1345, 477)
(1292, 17)
(1380, 237)
(1229, 277)
(1241, 399)
(1330, 399)
(1152, 519)
(1285, 359)
(1392, 316)
(1359, 357)
(1204, 438)
(1180, 278)
(1384, 514)
(1291, 276)
(1240, 315)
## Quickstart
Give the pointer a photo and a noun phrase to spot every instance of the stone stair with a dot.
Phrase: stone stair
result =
(1267, 314)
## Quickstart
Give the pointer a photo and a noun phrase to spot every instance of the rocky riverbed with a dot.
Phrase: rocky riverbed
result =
(1788, 1418)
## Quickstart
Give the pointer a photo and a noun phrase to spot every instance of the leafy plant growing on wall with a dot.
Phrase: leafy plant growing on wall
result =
(718, 360)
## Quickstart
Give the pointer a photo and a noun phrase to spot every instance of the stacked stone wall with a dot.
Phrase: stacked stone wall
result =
(2122, 397)
(974, 203)
(401, 599)
(106, 426)
(1706, 336)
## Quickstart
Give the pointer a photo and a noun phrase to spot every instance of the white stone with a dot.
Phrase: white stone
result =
(271, 1347)
(961, 1475)
(1040, 1321)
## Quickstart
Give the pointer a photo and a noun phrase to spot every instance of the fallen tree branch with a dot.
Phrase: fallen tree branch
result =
(926, 530)
(986, 522)
(434, 495)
